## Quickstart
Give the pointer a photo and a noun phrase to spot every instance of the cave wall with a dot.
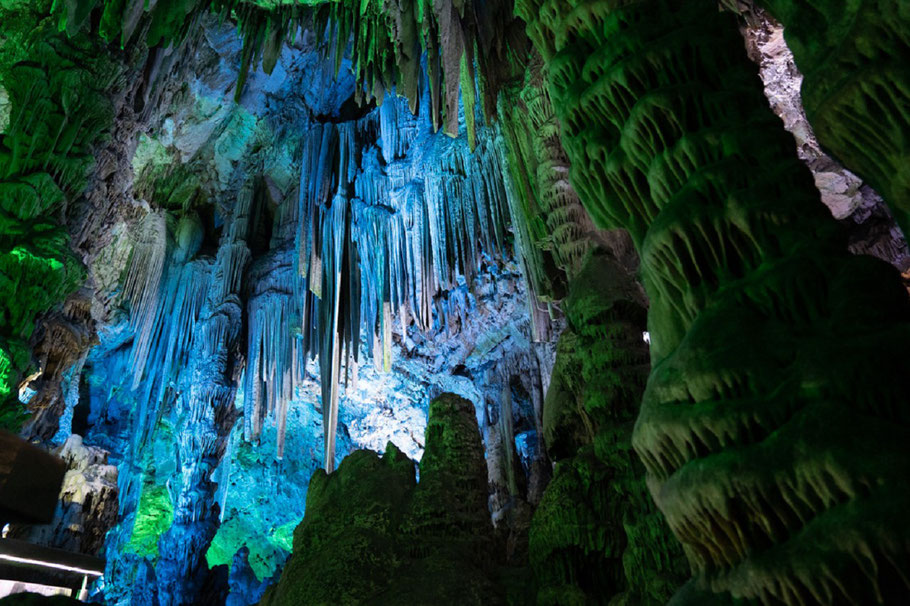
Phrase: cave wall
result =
(199, 388)
(55, 110)
(866, 217)
(738, 437)
(855, 88)
(204, 266)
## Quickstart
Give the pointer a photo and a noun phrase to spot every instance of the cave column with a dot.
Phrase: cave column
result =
(774, 423)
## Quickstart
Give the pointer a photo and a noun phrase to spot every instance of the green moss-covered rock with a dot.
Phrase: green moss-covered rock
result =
(773, 426)
(373, 535)
(346, 546)
(597, 537)
(452, 464)
(55, 108)
(446, 531)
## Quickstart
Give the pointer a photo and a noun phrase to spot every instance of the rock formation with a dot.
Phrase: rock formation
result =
(243, 240)
(373, 535)
(736, 425)
(855, 92)
(88, 502)
(596, 537)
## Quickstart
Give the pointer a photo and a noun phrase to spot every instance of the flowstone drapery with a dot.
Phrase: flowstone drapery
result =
(559, 223)
(204, 407)
(187, 314)
(759, 437)
(597, 537)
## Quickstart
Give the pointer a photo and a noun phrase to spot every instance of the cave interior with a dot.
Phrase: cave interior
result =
(474, 302)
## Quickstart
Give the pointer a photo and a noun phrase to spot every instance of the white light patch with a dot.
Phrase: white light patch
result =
(646, 337)
(29, 561)
(4, 110)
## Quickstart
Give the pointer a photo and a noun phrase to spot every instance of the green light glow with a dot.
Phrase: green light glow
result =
(6, 369)
(266, 552)
(153, 517)
(26, 256)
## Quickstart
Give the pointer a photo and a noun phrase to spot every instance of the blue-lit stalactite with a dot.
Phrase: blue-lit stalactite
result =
(380, 236)
(352, 296)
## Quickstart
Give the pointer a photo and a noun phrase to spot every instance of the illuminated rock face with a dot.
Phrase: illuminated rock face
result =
(856, 88)
(762, 444)
(281, 270)
(54, 110)
(597, 536)
(88, 502)
(869, 223)
(290, 227)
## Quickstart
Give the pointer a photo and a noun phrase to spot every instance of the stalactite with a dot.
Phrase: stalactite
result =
(183, 291)
(271, 349)
(167, 289)
(507, 436)
(376, 243)
(202, 370)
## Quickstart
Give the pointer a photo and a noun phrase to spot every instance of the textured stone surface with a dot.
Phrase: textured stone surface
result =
(597, 537)
(665, 122)
(88, 502)
(209, 198)
(869, 224)
(372, 535)
(857, 86)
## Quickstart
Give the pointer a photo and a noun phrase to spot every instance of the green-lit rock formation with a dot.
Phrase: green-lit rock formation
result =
(57, 109)
(597, 537)
(559, 226)
(772, 416)
(774, 422)
(372, 535)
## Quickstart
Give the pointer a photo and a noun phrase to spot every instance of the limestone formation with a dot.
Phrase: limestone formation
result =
(597, 537)
(372, 535)
(243, 239)
(856, 86)
(750, 428)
